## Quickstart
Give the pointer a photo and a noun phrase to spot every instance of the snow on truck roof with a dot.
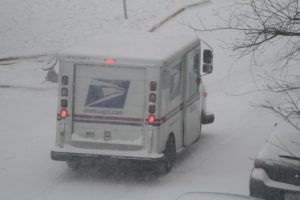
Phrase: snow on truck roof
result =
(143, 47)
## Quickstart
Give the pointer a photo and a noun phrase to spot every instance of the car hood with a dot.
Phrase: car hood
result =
(282, 145)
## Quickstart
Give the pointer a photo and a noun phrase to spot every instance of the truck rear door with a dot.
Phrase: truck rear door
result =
(108, 107)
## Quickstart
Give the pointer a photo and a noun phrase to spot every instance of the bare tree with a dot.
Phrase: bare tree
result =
(261, 24)
(261, 21)
(286, 101)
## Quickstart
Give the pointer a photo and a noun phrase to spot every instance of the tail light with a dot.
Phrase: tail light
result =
(64, 103)
(64, 113)
(152, 101)
(151, 119)
(153, 86)
(64, 92)
(152, 97)
(65, 80)
(109, 61)
(152, 109)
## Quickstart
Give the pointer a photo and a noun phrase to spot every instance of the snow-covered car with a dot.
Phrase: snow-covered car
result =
(213, 196)
(276, 172)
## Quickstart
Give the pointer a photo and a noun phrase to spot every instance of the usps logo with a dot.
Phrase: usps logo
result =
(107, 93)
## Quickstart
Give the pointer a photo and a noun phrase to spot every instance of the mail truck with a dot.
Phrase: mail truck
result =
(131, 96)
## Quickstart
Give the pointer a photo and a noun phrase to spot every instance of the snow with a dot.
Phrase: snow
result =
(284, 141)
(26, 75)
(220, 162)
(35, 27)
(129, 45)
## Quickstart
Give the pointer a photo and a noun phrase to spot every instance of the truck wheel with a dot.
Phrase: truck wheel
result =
(170, 155)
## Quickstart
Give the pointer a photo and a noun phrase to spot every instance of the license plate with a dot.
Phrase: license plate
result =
(291, 196)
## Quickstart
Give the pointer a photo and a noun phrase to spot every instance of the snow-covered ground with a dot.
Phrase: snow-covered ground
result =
(35, 27)
(220, 162)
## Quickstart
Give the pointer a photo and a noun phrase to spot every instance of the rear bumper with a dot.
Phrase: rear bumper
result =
(262, 186)
(67, 156)
(207, 118)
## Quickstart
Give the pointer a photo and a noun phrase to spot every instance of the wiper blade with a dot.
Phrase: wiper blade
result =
(290, 157)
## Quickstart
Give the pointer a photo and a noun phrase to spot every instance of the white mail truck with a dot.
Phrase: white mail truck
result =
(131, 96)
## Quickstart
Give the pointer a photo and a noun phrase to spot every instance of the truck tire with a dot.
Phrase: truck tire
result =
(170, 156)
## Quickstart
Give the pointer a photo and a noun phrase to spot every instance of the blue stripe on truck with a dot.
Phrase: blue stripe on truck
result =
(133, 121)
(109, 122)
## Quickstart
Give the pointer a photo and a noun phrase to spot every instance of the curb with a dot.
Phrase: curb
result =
(14, 59)
(174, 14)
(177, 12)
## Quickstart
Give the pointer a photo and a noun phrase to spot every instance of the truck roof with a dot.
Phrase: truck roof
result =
(134, 47)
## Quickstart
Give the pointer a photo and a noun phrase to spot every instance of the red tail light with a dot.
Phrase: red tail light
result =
(63, 113)
(110, 61)
(151, 119)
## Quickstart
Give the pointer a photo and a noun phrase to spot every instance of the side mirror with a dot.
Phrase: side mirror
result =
(207, 56)
(207, 68)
